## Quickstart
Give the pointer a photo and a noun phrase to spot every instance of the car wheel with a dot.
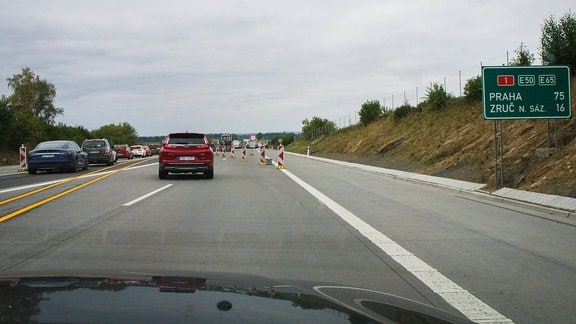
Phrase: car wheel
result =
(162, 174)
(32, 171)
(209, 174)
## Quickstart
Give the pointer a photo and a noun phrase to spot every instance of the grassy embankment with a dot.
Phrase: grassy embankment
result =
(458, 143)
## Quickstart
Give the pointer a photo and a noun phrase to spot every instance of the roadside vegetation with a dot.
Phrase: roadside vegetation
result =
(27, 116)
(447, 135)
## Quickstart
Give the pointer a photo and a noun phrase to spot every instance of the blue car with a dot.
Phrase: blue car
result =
(57, 156)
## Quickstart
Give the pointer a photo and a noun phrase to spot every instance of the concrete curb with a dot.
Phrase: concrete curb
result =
(566, 205)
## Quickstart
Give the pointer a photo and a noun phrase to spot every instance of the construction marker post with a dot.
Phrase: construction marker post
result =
(262, 155)
(280, 156)
(308, 150)
(23, 162)
(232, 153)
(243, 159)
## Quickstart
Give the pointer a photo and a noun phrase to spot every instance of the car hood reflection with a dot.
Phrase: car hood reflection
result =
(235, 298)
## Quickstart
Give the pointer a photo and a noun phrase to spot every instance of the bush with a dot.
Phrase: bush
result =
(437, 98)
(402, 111)
(370, 112)
(473, 89)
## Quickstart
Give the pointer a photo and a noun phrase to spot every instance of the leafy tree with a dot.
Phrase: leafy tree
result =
(436, 97)
(62, 131)
(317, 127)
(7, 130)
(370, 112)
(32, 96)
(523, 57)
(558, 41)
(473, 89)
(32, 108)
(286, 138)
(123, 133)
(402, 111)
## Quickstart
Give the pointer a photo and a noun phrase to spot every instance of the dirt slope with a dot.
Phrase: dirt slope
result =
(458, 143)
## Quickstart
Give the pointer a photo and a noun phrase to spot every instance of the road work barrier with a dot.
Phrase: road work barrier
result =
(23, 162)
(280, 157)
(262, 155)
(232, 153)
(243, 159)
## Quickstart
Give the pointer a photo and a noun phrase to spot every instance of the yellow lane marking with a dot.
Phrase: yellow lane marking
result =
(30, 193)
(56, 196)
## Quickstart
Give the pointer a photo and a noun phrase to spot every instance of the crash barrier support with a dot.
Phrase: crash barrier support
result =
(262, 155)
(280, 157)
(243, 159)
(23, 163)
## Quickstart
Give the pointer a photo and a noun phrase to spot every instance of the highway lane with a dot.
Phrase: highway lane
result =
(511, 258)
(249, 219)
(254, 219)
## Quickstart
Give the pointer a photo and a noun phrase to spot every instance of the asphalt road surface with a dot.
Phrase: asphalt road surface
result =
(313, 221)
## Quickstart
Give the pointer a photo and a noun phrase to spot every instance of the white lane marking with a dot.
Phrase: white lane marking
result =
(469, 305)
(147, 195)
(97, 174)
(29, 186)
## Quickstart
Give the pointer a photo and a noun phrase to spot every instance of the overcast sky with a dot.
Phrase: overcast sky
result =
(255, 66)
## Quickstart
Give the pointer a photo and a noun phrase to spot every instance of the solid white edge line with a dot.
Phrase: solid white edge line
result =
(468, 304)
(146, 195)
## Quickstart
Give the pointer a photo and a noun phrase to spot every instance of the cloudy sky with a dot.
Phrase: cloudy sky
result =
(255, 66)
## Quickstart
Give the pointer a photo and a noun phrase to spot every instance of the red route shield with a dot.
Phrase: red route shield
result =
(505, 80)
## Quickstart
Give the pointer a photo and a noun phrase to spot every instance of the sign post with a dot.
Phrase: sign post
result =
(523, 92)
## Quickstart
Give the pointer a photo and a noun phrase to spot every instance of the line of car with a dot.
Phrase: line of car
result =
(180, 153)
(66, 155)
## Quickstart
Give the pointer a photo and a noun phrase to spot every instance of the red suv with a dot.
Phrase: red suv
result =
(186, 153)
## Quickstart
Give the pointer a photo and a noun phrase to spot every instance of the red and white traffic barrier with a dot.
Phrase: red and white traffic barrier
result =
(280, 157)
(262, 155)
(243, 159)
(232, 152)
(23, 162)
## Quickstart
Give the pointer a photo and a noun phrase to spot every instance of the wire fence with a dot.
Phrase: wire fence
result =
(453, 84)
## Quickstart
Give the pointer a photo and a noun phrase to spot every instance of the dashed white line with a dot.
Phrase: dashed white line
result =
(130, 203)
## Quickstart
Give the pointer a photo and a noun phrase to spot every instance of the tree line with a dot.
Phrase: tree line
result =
(27, 116)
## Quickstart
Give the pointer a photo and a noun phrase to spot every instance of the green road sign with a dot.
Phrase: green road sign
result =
(526, 92)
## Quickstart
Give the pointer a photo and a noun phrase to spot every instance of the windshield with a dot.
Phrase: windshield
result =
(406, 153)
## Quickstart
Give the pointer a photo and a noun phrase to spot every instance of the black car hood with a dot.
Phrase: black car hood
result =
(206, 298)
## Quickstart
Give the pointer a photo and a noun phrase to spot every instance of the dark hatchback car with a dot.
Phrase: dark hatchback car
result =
(60, 155)
(99, 151)
(186, 153)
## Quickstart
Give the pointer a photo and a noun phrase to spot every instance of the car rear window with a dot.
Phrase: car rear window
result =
(188, 139)
(53, 146)
(90, 144)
